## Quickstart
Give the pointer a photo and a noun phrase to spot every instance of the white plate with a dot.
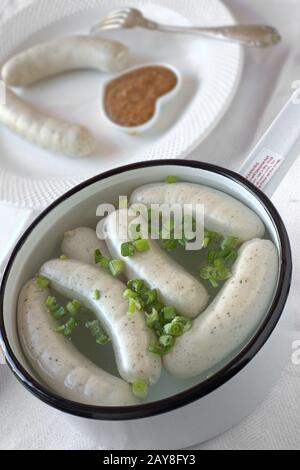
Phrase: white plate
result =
(32, 177)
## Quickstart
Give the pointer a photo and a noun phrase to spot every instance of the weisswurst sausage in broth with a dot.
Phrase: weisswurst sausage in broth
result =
(58, 363)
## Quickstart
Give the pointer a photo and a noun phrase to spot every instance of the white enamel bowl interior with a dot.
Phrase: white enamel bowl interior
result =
(80, 209)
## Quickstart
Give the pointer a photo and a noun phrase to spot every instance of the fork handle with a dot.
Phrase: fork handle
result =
(248, 35)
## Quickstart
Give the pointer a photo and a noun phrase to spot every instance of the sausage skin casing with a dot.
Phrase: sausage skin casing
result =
(222, 213)
(232, 316)
(64, 55)
(45, 131)
(80, 244)
(130, 335)
(57, 362)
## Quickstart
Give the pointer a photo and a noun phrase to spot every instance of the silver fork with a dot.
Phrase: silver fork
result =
(248, 35)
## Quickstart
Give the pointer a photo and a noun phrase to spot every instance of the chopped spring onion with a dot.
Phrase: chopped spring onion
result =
(101, 261)
(229, 243)
(184, 321)
(173, 329)
(42, 282)
(116, 267)
(75, 315)
(56, 310)
(170, 245)
(98, 256)
(136, 285)
(50, 301)
(220, 259)
(167, 341)
(140, 388)
(97, 332)
(172, 179)
(63, 257)
(104, 263)
(210, 237)
(135, 231)
(73, 307)
(158, 305)
(129, 294)
(163, 320)
(141, 245)
(127, 249)
(68, 328)
(168, 313)
(97, 294)
(134, 306)
(158, 349)
(152, 320)
(149, 296)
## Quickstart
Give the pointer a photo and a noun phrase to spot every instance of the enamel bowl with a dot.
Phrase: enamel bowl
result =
(178, 413)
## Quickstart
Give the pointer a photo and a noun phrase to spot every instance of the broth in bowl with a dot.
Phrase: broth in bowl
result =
(130, 318)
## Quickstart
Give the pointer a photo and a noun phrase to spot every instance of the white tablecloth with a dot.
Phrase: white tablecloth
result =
(25, 422)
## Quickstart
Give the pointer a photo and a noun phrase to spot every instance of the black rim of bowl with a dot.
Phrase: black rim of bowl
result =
(198, 391)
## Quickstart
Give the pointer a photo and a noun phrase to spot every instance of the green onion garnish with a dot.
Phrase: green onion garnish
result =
(134, 306)
(135, 231)
(97, 332)
(116, 267)
(158, 305)
(98, 256)
(229, 243)
(210, 237)
(149, 296)
(220, 259)
(167, 341)
(104, 263)
(101, 261)
(152, 319)
(141, 245)
(103, 339)
(185, 322)
(57, 311)
(170, 245)
(63, 257)
(169, 313)
(97, 294)
(173, 329)
(136, 285)
(73, 307)
(50, 301)
(163, 320)
(140, 388)
(172, 179)
(68, 328)
(129, 294)
(127, 249)
(42, 282)
(158, 349)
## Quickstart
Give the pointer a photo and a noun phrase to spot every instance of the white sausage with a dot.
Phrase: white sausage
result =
(58, 363)
(45, 131)
(223, 213)
(64, 55)
(176, 286)
(230, 320)
(80, 244)
(130, 335)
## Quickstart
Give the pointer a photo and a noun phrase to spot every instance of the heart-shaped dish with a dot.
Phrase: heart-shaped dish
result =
(159, 102)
